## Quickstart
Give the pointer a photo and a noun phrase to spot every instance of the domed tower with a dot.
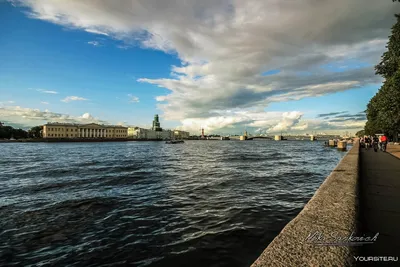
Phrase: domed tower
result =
(156, 124)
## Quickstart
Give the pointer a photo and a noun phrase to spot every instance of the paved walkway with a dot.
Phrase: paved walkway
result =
(380, 202)
(394, 150)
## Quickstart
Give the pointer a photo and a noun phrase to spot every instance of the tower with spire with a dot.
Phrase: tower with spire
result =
(156, 124)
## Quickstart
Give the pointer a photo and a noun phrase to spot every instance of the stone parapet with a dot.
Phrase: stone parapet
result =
(332, 211)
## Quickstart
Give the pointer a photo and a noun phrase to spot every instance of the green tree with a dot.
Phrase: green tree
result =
(7, 132)
(36, 132)
(19, 133)
(372, 126)
(360, 133)
(383, 110)
(389, 64)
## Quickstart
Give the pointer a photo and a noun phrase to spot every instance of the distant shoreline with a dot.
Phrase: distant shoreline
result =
(79, 140)
(71, 140)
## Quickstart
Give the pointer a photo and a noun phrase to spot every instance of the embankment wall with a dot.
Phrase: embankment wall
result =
(330, 214)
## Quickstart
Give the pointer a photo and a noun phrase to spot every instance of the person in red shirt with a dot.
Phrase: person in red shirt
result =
(384, 141)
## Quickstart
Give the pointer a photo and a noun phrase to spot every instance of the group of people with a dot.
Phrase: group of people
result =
(375, 142)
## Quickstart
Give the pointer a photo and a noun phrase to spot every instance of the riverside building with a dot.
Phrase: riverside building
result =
(178, 134)
(156, 132)
(150, 134)
(91, 130)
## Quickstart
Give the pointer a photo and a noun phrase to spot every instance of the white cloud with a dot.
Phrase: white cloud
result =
(124, 47)
(87, 116)
(73, 98)
(289, 119)
(44, 103)
(94, 43)
(47, 91)
(7, 102)
(133, 99)
(234, 121)
(96, 32)
(27, 117)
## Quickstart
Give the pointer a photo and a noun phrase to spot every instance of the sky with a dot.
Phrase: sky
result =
(223, 65)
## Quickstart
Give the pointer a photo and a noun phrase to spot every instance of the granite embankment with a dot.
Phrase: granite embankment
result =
(331, 213)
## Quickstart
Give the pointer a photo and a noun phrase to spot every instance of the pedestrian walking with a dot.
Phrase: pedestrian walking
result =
(384, 141)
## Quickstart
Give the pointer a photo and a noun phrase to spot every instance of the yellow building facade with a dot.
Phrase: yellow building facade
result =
(178, 134)
(91, 130)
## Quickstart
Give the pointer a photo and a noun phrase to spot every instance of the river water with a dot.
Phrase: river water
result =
(201, 203)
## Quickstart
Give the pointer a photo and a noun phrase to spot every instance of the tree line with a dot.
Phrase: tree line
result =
(8, 132)
(383, 110)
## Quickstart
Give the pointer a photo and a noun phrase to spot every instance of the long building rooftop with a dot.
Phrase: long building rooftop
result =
(81, 124)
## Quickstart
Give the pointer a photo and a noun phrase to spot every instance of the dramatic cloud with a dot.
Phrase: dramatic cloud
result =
(361, 116)
(227, 46)
(26, 117)
(236, 121)
(289, 119)
(73, 98)
(133, 99)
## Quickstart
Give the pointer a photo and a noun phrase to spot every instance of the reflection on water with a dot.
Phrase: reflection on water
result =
(202, 203)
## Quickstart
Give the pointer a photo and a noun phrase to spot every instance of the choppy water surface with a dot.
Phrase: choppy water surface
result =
(202, 203)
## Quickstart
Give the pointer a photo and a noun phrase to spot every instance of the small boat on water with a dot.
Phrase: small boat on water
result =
(175, 142)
